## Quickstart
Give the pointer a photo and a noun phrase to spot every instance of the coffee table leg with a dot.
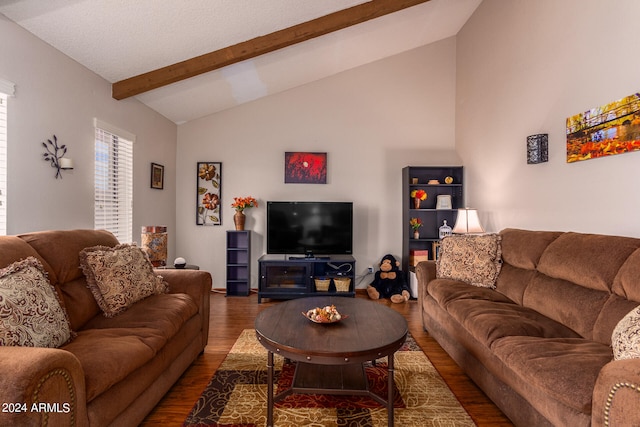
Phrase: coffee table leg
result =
(390, 396)
(269, 389)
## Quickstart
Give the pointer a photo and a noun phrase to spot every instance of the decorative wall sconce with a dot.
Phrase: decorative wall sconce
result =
(55, 155)
(537, 148)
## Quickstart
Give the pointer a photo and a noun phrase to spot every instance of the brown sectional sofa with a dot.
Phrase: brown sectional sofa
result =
(116, 369)
(539, 344)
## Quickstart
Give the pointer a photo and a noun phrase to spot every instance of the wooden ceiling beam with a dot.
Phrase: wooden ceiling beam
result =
(258, 46)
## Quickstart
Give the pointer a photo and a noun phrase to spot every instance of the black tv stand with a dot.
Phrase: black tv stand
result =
(286, 277)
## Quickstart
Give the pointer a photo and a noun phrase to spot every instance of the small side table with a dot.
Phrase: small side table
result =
(186, 267)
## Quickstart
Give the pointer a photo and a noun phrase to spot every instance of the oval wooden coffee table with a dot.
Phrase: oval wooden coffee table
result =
(330, 357)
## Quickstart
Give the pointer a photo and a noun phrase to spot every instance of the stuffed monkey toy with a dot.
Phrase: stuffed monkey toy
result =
(389, 282)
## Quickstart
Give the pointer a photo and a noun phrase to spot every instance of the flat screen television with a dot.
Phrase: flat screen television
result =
(310, 228)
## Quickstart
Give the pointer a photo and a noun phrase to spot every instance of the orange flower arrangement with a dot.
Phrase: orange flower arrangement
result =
(419, 194)
(242, 203)
(415, 223)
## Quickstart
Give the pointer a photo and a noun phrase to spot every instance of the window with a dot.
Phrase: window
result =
(6, 90)
(3, 164)
(114, 181)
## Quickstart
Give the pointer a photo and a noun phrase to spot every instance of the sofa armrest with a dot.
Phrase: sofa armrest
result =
(616, 396)
(41, 386)
(197, 284)
(425, 272)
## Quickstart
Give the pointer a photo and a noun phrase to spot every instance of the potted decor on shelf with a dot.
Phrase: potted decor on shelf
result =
(415, 224)
(240, 204)
(418, 196)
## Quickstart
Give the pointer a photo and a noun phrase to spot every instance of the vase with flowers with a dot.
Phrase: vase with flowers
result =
(418, 196)
(240, 204)
(415, 224)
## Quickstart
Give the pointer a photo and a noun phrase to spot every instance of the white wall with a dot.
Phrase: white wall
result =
(523, 67)
(56, 95)
(372, 121)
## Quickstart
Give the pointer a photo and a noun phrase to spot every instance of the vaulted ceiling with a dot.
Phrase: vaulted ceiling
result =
(191, 58)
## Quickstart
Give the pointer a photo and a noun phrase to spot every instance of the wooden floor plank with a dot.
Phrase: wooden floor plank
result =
(230, 315)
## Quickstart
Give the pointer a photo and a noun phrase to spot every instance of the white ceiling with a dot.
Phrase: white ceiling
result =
(118, 39)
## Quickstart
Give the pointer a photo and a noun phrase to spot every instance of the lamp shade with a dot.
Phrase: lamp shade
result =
(467, 222)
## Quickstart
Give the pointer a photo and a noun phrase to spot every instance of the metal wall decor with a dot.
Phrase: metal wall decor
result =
(537, 148)
(209, 193)
(55, 155)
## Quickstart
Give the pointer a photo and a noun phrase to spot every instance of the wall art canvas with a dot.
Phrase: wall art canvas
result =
(613, 128)
(209, 193)
(305, 168)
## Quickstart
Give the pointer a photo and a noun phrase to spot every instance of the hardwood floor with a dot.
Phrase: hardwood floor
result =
(229, 316)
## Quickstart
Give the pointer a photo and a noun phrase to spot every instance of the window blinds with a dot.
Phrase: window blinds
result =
(3, 164)
(114, 185)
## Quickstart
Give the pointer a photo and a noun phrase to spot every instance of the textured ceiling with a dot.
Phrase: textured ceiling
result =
(118, 39)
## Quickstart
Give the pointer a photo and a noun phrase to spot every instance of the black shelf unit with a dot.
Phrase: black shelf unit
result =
(238, 263)
(284, 277)
(431, 217)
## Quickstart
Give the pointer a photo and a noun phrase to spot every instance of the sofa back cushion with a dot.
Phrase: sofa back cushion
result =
(60, 249)
(589, 260)
(13, 249)
(627, 282)
(523, 248)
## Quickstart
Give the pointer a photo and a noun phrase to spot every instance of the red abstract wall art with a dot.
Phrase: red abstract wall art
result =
(305, 168)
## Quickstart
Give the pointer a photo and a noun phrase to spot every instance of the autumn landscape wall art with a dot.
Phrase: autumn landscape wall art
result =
(613, 128)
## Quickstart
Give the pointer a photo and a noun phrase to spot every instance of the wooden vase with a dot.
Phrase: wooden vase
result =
(416, 203)
(239, 219)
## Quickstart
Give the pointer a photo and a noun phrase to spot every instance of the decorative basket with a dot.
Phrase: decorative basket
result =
(322, 285)
(342, 284)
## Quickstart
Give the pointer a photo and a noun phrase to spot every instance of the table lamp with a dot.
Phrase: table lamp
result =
(467, 222)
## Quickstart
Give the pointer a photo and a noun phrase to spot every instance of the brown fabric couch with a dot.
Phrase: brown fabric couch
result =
(539, 345)
(116, 369)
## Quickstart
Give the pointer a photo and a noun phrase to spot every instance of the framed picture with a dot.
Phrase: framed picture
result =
(305, 168)
(157, 176)
(606, 130)
(209, 193)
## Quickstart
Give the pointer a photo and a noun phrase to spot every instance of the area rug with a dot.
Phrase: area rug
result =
(236, 396)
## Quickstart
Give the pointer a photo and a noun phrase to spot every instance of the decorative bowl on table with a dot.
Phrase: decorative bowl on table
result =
(327, 314)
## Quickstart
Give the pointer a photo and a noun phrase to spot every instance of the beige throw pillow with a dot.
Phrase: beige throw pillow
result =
(474, 259)
(625, 339)
(120, 276)
(30, 312)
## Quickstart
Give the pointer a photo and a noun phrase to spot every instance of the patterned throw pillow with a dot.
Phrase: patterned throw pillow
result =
(119, 276)
(474, 259)
(30, 312)
(625, 339)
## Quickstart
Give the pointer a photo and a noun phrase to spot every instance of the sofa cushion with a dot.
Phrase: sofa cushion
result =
(110, 349)
(589, 260)
(564, 368)
(30, 312)
(613, 311)
(523, 248)
(489, 321)
(474, 259)
(446, 290)
(60, 249)
(625, 339)
(119, 276)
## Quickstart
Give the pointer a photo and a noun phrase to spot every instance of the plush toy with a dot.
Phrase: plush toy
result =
(389, 282)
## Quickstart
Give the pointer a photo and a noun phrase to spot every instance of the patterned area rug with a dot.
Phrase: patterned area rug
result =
(237, 394)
